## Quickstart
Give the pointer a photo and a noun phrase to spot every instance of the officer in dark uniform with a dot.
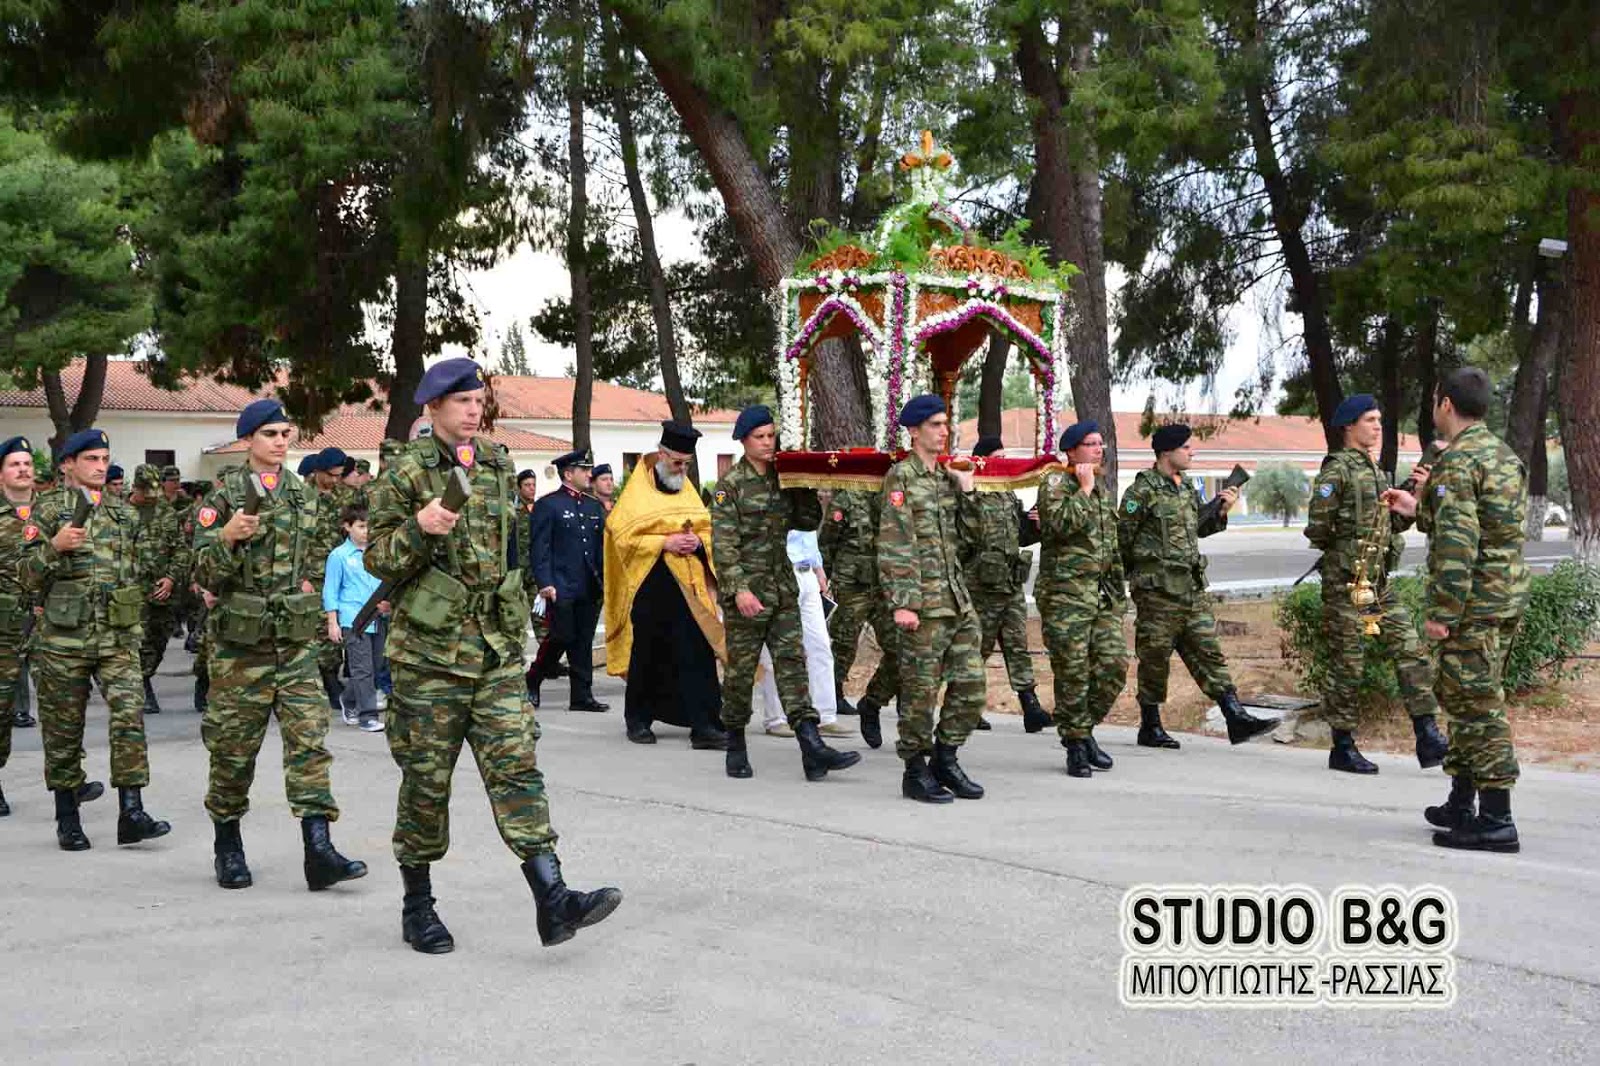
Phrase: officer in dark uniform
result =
(565, 548)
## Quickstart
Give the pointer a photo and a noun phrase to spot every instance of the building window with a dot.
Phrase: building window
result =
(158, 457)
(724, 464)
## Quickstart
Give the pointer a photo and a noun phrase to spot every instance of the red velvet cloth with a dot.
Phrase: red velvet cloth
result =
(865, 468)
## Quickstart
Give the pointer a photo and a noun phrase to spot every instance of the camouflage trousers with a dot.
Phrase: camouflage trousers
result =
(1397, 634)
(202, 654)
(778, 627)
(63, 677)
(1088, 656)
(1167, 623)
(10, 674)
(940, 651)
(862, 605)
(430, 714)
(159, 625)
(1004, 617)
(1472, 695)
(248, 687)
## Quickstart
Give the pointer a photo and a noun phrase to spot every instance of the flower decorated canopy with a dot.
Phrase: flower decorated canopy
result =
(922, 293)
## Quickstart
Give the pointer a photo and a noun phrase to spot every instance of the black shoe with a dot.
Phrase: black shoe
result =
(590, 704)
(89, 791)
(708, 741)
(533, 696)
(1458, 808)
(983, 725)
(919, 783)
(815, 755)
(1431, 744)
(202, 690)
(871, 723)
(844, 705)
(232, 871)
(562, 912)
(1151, 733)
(948, 772)
(69, 829)
(1490, 830)
(738, 760)
(334, 688)
(1346, 757)
(1097, 758)
(641, 734)
(22, 719)
(151, 706)
(133, 824)
(1078, 764)
(419, 922)
(1242, 725)
(1034, 716)
(325, 867)
(5, 808)
(191, 643)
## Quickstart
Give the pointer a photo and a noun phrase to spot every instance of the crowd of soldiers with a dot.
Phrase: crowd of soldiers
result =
(94, 585)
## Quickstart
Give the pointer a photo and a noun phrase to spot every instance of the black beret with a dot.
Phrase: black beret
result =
(449, 376)
(1169, 437)
(115, 473)
(15, 444)
(1073, 435)
(523, 475)
(602, 470)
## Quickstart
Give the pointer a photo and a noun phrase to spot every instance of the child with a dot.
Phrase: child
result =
(345, 590)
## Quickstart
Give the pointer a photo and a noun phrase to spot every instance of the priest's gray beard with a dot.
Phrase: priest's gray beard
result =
(670, 481)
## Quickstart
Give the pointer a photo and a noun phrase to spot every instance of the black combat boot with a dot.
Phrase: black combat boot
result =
(1490, 830)
(1078, 764)
(1345, 756)
(983, 725)
(89, 791)
(232, 872)
(202, 690)
(920, 784)
(815, 755)
(5, 808)
(1151, 734)
(419, 922)
(133, 824)
(1431, 744)
(948, 772)
(21, 719)
(69, 830)
(1097, 758)
(871, 723)
(737, 761)
(1034, 716)
(562, 912)
(712, 740)
(1458, 808)
(151, 706)
(844, 705)
(325, 867)
(1242, 725)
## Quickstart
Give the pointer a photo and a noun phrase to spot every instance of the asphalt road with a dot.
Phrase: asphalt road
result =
(770, 920)
(1257, 553)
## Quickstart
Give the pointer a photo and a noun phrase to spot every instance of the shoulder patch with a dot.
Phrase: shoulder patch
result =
(1440, 492)
(1326, 490)
(897, 498)
(207, 517)
(1131, 505)
(721, 497)
(25, 512)
(30, 532)
(1054, 479)
(838, 516)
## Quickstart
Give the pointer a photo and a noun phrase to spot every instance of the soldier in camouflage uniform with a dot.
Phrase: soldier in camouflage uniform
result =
(927, 513)
(16, 514)
(265, 573)
(1476, 505)
(456, 642)
(166, 571)
(997, 573)
(328, 470)
(1159, 528)
(88, 579)
(750, 520)
(1082, 597)
(1345, 504)
(849, 545)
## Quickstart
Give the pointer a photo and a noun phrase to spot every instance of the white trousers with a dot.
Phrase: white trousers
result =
(819, 660)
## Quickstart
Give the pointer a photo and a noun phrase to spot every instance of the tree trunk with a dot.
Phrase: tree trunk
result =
(578, 231)
(1530, 397)
(1427, 374)
(1539, 477)
(85, 407)
(1393, 394)
(992, 385)
(407, 346)
(1579, 395)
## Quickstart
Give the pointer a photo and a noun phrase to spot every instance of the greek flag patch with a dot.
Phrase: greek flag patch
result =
(1326, 490)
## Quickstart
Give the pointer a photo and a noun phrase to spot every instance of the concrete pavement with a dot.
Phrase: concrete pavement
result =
(766, 921)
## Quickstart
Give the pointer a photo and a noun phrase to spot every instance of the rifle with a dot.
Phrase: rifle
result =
(254, 491)
(84, 508)
(457, 490)
(1430, 456)
(1236, 479)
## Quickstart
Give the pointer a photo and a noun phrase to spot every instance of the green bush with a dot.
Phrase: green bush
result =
(1563, 615)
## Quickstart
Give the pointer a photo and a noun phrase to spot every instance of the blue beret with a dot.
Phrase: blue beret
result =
(602, 470)
(1167, 438)
(83, 441)
(258, 414)
(578, 457)
(15, 444)
(751, 419)
(988, 446)
(449, 376)
(334, 459)
(1073, 435)
(919, 409)
(308, 465)
(1352, 408)
(115, 473)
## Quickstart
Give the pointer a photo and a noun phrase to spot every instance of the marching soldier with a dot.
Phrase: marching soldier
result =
(568, 572)
(265, 574)
(1476, 503)
(115, 481)
(849, 545)
(16, 513)
(166, 571)
(1159, 530)
(750, 520)
(1345, 503)
(455, 647)
(1082, 597)
(89, 581)
(997, 573)
(329, 468)
(927, 513)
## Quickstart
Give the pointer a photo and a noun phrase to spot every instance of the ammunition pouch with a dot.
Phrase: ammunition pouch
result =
(243, 619)
(67, 605)
(297, 621)
(13, 614)
(511, 605)
(125, 607)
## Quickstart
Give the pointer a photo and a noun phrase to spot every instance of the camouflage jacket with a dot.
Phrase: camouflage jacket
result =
(1479, 504)
(849, 539)
(15, 541)
(1079, 552)
(1344, 504)
(93, 597)
(925, 518)
(992, 559)
(1159, 528)
(462, 597)
(750, 520)
(330, 510)
(159, 529)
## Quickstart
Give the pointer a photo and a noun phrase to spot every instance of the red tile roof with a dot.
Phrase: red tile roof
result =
(364, 433)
